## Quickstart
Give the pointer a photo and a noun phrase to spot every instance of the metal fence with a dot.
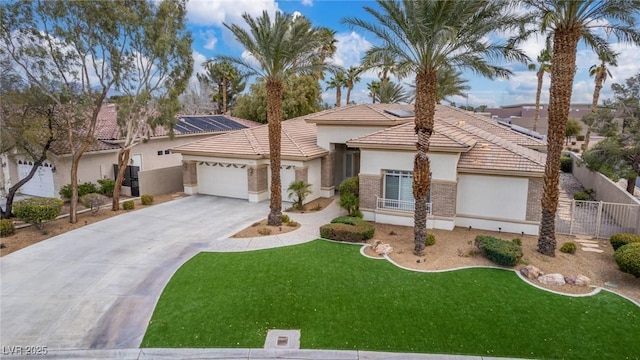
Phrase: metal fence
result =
(597, 219)
(399, 205)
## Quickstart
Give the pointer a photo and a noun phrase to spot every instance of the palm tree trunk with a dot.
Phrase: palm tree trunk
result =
(425, 108)
(338, 96)
(565, 43)
(594, 103)
(123, 161)
(274, 118)
(224, 97)
(349, 94)
(536, 117)
(631, 184)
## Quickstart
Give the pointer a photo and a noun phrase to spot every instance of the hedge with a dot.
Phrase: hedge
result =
(7, 227)
(349, 229)
(37, 210)
(619, 240)
(501, 252)
(566, 164)
(628, 258)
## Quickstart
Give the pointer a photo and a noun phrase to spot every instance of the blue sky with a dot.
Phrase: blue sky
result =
(211, 38)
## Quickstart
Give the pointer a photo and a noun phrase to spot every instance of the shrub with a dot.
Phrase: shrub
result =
(128, 205)
(264, 231)
(569, 248)
(581, 195)
(285, 218)
(350, 194)
(6, 227)
(628, 258)
(299, 190)
(566, 164)
(94, 201)
(350, 186)
(107, 186)
(349, 229)
(517, 241)
(580, 137)
(430, 240)
(573, 143)
(619, 240)
(83, 189)
(292, 224)
(501, 252)
(37, 210)
(357, 213)
(146, 199)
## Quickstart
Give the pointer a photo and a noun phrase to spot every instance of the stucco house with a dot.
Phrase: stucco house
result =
(99, 160)
(484, 174)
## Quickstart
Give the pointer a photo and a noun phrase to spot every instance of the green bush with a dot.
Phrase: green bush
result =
(349, 229)
(580, 137)
(37, 210)
(264, 231)
(94, 201)
(501, 252)
(106, 186)
(566, 164)
(581, 195)
(146, 199)
(350, 186)
(619, 240)
(517, 241)
(628, 258)
(285, 218)
(6, 227)
(430, 240)
(128, 205)
(569, 248)
(350, 195)
(292, 224)
(83, 189)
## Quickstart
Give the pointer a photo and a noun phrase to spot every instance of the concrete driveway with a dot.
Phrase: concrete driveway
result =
(96, 287)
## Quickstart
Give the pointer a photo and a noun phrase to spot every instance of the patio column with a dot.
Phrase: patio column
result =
(534, 198)
(370, 190)
(257, 176)
(327, 186)
(443, 199)
(190, 177)
(302, 174)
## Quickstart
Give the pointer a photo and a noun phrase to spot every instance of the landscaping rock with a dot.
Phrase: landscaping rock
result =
(531, 272)
(578, 280)
(383, 249)
(552, 279)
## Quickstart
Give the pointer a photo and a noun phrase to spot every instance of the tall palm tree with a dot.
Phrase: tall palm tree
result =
(280, 47)
(568, 22)
(450, 83)
(385, 64)
(223, 74)
(374, 89)
(352, 76)
(393, 93)
(544, 66)
(337, 81)
(327, 49)
(601, 73)
(424, 37)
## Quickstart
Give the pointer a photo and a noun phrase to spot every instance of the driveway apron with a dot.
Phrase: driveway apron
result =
(96, 287)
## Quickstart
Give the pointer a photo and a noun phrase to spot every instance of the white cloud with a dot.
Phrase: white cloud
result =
(198, 60)
(209, 38)
(216, 12)
(307, 2)
(349, 49)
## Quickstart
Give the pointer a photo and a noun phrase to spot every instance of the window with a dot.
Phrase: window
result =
(159, 152)
(398, 185)
(167, 152)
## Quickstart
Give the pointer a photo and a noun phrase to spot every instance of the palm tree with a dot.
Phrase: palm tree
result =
(392, 93)
(280, 47)
(568, 22)
(328, 47)
(338, 81)
(384, 63)
(450, 83)
(544, 66)
(352, 76)
(601, 72)
(223, 74)
(424, 37)
(374, 88)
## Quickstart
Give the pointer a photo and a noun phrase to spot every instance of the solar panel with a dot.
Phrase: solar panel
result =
(207, 123)
(400, 113)
(229, 123)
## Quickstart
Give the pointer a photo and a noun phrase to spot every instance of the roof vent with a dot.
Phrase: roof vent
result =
(485, 146)
(461, 123)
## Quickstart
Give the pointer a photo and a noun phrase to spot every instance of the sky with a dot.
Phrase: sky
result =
(211, 38)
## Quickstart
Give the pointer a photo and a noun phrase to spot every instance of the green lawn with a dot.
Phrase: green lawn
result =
(342, 300)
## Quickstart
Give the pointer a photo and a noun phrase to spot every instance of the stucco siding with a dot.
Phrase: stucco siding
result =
(443, 166)
(328, 134)
(492, 197)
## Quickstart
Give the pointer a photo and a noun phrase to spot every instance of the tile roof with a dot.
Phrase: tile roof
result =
(298, 141)
(362, 114)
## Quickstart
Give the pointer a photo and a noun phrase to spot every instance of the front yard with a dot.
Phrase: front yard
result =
(342, 300)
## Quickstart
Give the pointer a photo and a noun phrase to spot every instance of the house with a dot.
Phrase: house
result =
(523, 115)
(152, 157)
(484, 175)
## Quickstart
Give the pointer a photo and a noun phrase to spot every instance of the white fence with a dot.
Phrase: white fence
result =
(597, 219)
(399, 205)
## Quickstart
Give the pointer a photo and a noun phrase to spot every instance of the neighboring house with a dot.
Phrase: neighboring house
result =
(484, 174)
(99, 160)
(524, 114)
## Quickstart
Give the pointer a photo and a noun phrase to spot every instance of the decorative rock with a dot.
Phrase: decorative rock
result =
(383, 249)
(531, 272)
(579, 280)
(590, 245)
(552, 279)
(592, 250)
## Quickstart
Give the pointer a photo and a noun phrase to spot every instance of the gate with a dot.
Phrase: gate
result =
(597, 219)
(130, 178)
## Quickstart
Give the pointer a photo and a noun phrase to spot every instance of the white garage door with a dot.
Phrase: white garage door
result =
(41, 184)
(223, 180)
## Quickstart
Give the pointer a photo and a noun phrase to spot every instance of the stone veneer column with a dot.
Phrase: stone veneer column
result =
(443, 199)
(302, 174)
(534, 198)
(370, 190)
(327, 186)
(257, 182)
(190, 177)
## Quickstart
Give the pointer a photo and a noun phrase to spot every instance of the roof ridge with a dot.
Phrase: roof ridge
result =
(450, 136)
(380, 131)
(286, 133)
(251, 138)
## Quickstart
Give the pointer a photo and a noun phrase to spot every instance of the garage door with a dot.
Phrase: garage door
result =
(220, 179)
(41, 184)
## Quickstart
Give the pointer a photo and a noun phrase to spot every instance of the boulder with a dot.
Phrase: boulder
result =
(383, 249)
(579, 280)
(552, 279)
(531, 272)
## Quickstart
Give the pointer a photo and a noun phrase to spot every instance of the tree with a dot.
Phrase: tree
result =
(568, 22)
(425, 37)
(73, 52)
(352, 77)
(451, 83)
(337, 81)
(392, 93)
(385, 64)
(301, 95)
(327, 49)
(228, 80)
(544, 66)
(161, 53)
(299, 190)
(280, 48)
(600, 72)
(374, 89)
(573, 129)
(198, 98)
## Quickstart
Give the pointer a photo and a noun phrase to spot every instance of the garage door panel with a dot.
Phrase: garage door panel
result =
(222, 180)
(41, 184)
